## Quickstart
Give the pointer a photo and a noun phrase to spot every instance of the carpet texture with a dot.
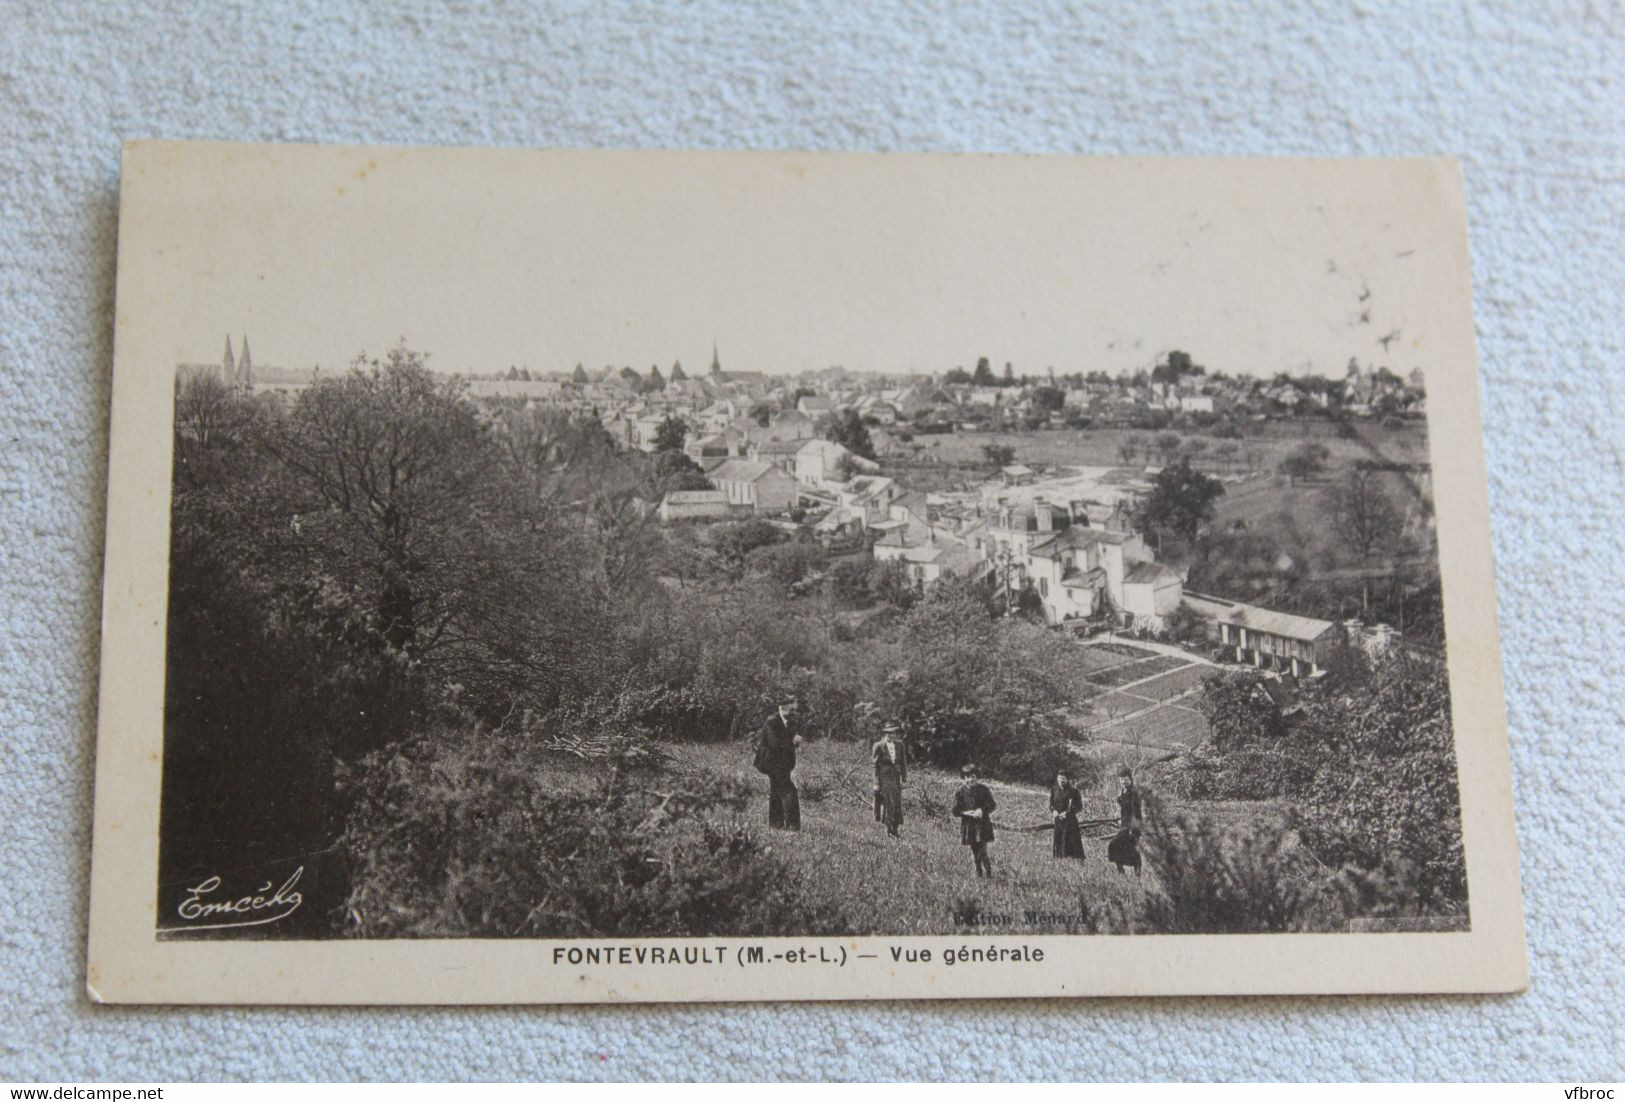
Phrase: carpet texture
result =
(1527, 94)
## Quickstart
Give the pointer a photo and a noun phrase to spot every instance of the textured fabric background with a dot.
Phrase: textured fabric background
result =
(1529, 95)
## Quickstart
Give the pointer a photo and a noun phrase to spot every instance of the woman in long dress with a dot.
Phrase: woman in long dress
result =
(891, 770)
(1065, 804)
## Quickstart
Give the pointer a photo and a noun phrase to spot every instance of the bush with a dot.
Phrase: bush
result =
(864, 583)
(1039, 764)
(1252, 773)
(733, 543)
(1387, 787)
(788, 563)
(1208, 878)
(459, 835)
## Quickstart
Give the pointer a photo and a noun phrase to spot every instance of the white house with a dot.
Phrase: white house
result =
(815, 406)
(759, 485)
(1079, 572)
(926, 560)
(819, 463)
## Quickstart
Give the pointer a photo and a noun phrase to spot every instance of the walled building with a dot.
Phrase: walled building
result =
(1270, 640)
(759, 486)
(1105, 575)
(694, 505)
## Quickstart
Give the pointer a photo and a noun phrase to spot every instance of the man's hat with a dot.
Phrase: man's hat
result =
(891, 726)
(1126, 773)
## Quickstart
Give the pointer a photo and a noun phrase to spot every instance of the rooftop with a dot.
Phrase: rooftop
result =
(741, 470)
(1149, 573)
(1269, 621)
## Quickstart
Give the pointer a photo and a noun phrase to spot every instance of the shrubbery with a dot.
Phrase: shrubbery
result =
(1386, 788)
(462, 834)
(1204, 875)
(1368, 763)
(969, 687)
(1215, 879)
(864, 583)
(1038, 765)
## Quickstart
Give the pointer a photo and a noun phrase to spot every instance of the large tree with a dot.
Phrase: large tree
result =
(670, 434)
(847, 429)
(1049, 398)
(392, 460)
(1181, 500)
(983, 375)
(969, 687)
(407, 525)
(1305, 461)
(1365, 518)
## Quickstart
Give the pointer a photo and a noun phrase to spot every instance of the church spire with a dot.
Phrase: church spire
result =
(228, 366)
(716, 364)
(245, 366)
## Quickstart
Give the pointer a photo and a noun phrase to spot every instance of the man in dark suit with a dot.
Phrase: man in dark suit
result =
(776, 746)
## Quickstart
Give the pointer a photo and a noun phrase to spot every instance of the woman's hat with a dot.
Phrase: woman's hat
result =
(1126, 773)
(967, 770)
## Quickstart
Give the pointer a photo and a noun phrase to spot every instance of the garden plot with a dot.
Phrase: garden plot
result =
(1095, 658)
(1165, 727)
(1115, 676)
(1169, 685)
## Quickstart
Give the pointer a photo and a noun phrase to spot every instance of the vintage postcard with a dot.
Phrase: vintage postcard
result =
(598, 576)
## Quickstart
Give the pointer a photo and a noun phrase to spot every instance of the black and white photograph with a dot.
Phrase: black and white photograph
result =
(717, 559)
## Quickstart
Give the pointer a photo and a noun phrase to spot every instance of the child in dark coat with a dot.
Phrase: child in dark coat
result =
(1124, 848)
(974, 807)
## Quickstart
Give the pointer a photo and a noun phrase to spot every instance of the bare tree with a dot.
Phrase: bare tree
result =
(1365, 518)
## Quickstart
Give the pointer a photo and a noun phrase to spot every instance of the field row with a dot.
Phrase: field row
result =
(1106, 656)
(1113, 676)
(1171, 684)
(1167, 728)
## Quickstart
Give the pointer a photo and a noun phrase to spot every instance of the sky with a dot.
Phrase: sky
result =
(786, 262)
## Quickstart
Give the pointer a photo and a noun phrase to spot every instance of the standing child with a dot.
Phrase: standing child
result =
(974, 807)
(1124, 848)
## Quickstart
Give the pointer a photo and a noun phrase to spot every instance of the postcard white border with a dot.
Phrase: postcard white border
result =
(128, 964)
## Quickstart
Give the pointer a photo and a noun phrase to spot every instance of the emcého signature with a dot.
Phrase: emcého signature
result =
(262, 907)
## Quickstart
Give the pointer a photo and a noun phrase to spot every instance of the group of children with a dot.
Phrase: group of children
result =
(974, 807)
(775, 756)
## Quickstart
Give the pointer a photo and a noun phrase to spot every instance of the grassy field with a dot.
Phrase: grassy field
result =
(1271, 441)
(922, 883)
(1267, 502)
